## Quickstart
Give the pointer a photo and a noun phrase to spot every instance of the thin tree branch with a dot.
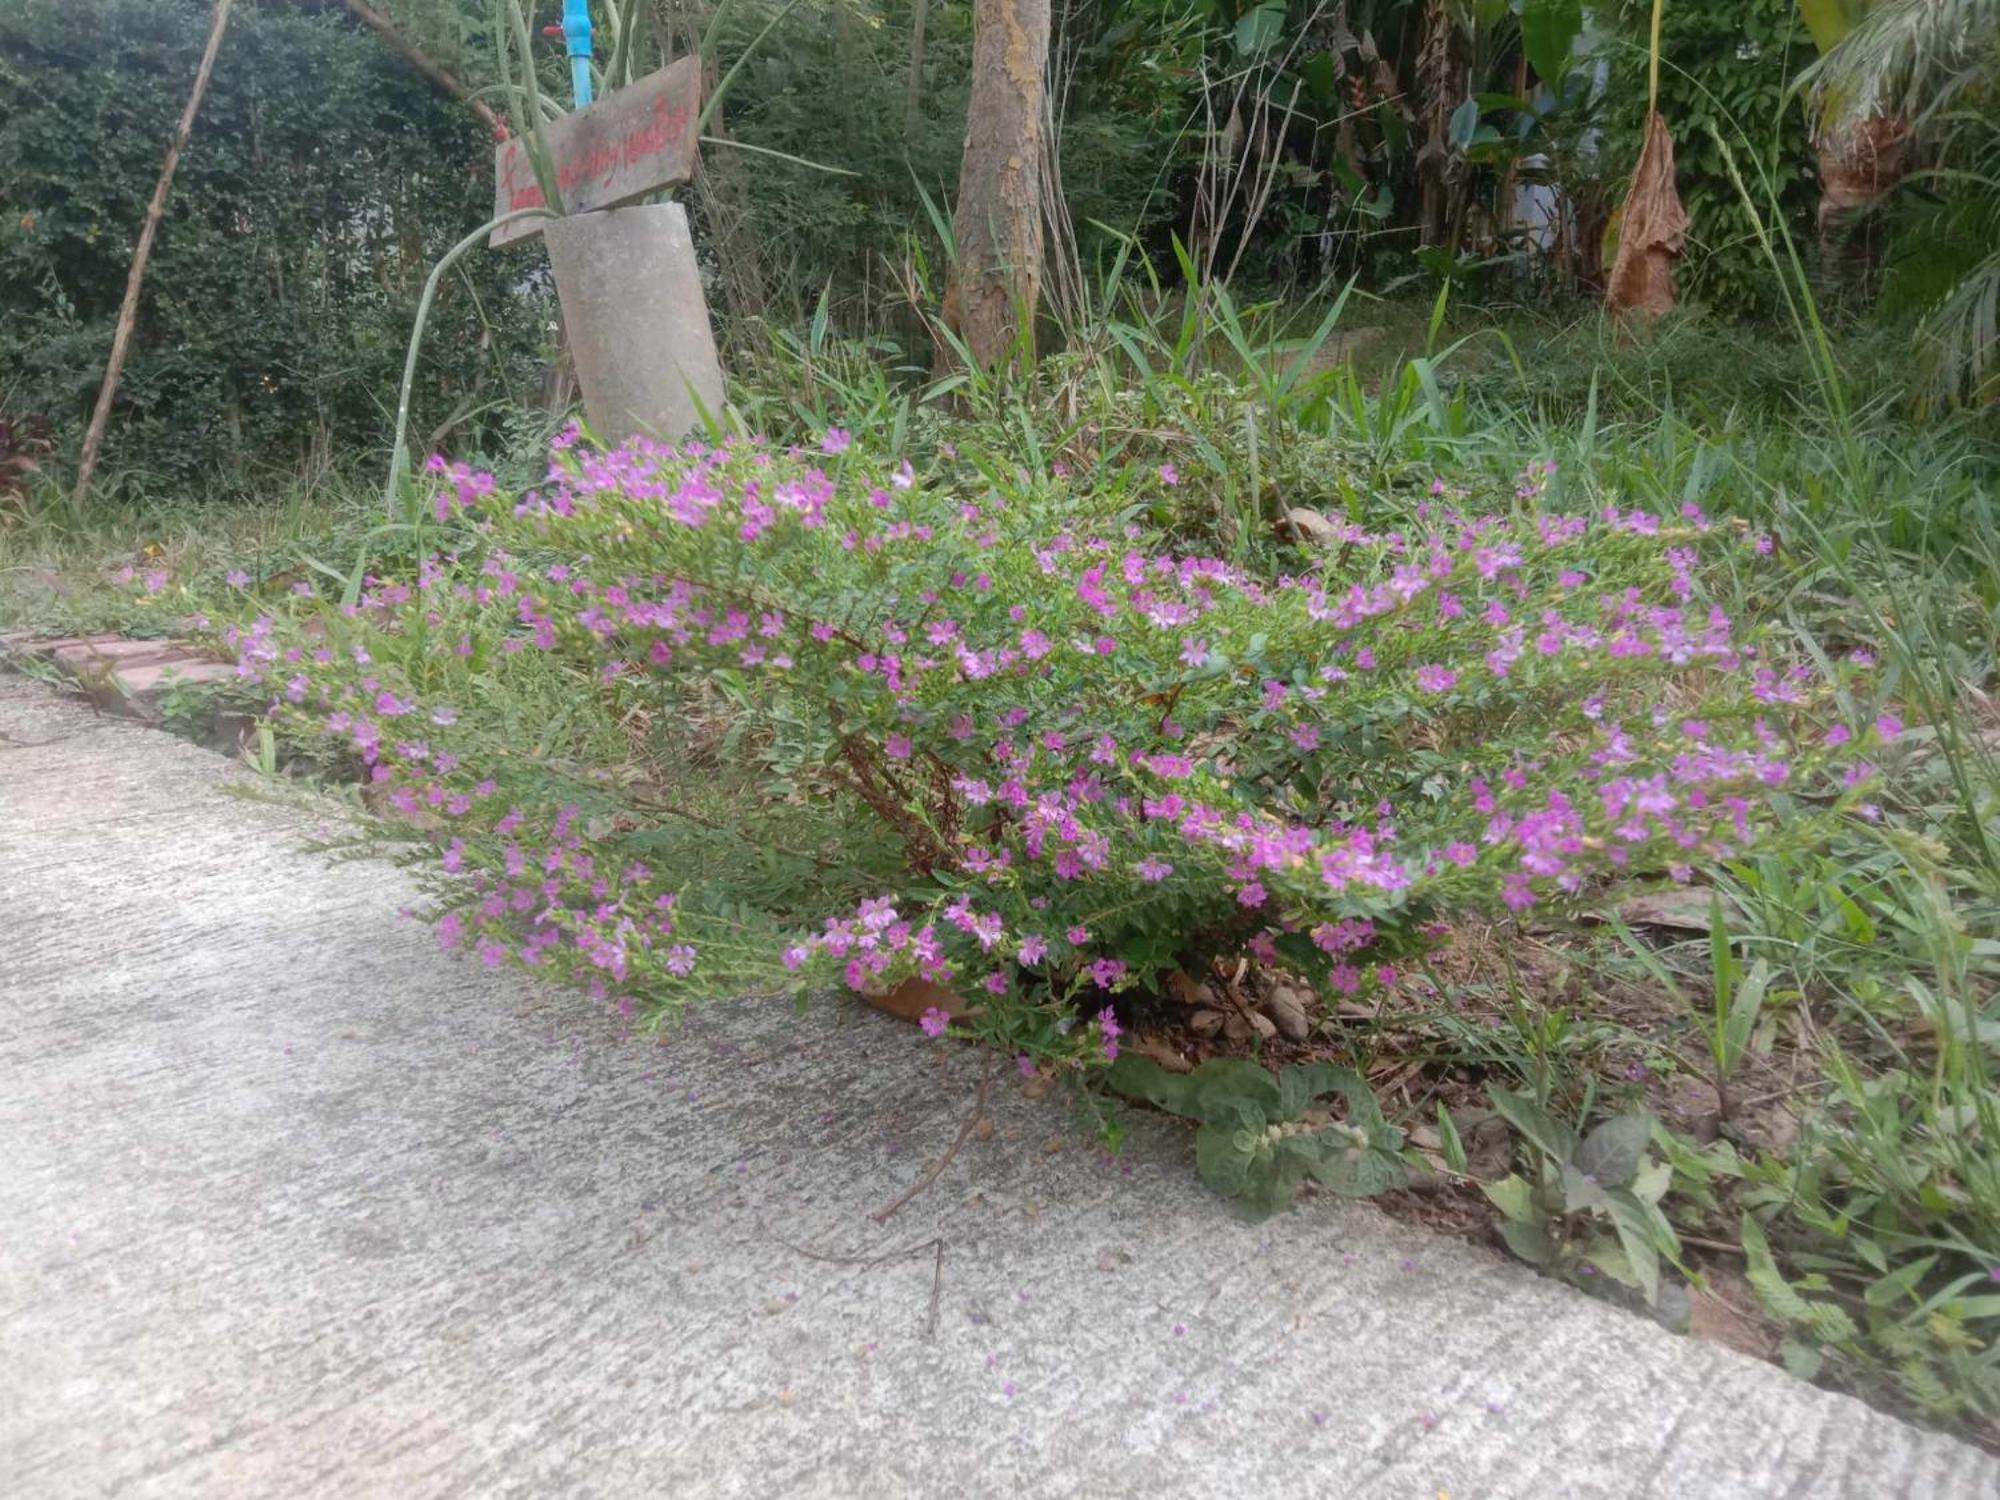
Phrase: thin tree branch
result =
(408, 50)
(128, 311)
(882, 1214)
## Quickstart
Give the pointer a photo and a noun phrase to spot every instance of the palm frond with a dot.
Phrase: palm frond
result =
(1908, 57)
(1959, 340)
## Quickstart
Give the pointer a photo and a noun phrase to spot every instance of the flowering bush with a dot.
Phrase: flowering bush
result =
(1054, 762)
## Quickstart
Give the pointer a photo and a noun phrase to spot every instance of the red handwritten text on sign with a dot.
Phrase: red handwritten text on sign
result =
(631, 142)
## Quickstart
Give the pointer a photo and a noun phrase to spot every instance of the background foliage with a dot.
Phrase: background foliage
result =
(323, 181)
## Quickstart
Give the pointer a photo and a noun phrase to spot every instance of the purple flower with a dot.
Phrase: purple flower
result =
(1034, 948)
(1153, 869)
(934, 1022)
(1433, 678)
(1108, 1027)
(1169, 475)
(1889, 727)
(236, 578)
(897, 747)
(835, 441)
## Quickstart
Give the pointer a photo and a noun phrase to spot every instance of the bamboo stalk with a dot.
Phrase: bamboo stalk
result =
(128, 312)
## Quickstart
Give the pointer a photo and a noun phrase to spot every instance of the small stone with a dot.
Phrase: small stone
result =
(1287, 1009)
(1206, 1022)
(1309, 526)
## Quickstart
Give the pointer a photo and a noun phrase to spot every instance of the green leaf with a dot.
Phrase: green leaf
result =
(1450, 1143)
(1224, 1154)
(1529, 1239)
(1301, 1083)
(1635, 1232)
(1258, 30)
(1353, 1170)
(1548, 29)
(1741, 1019)
(1531, 1121)
(1581, 1192)
(1766, 1280)
(1219, 1084)
(1514, 1197)
(1899, 1283)
(1802, 1360)
(1609, 1256)
(1464, 122)
(1141, 1078)
(1654, 1178)
(1610, 1155)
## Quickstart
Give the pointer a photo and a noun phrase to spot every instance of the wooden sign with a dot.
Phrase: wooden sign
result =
(632, 142)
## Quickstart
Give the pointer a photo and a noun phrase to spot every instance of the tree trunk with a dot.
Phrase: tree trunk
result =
(128, 311)
(995, 280)
(1859, 162)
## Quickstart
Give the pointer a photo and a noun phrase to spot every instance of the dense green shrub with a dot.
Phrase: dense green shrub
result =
(323, 179)
(1089, 762)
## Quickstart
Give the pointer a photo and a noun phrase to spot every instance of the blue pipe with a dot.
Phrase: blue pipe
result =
(576, 36)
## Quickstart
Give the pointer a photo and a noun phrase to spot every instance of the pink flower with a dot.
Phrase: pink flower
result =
(1107, 1025)
(1169, 475)
(934, 1022)
(835, 441)
(1078, 934)
(1889, 727)
(1034, 948)
(1433, 678)
(897, 747)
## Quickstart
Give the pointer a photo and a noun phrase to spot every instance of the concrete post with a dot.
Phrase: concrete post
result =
(637, 322)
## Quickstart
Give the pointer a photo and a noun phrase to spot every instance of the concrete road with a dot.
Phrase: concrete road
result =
(293, 1205)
